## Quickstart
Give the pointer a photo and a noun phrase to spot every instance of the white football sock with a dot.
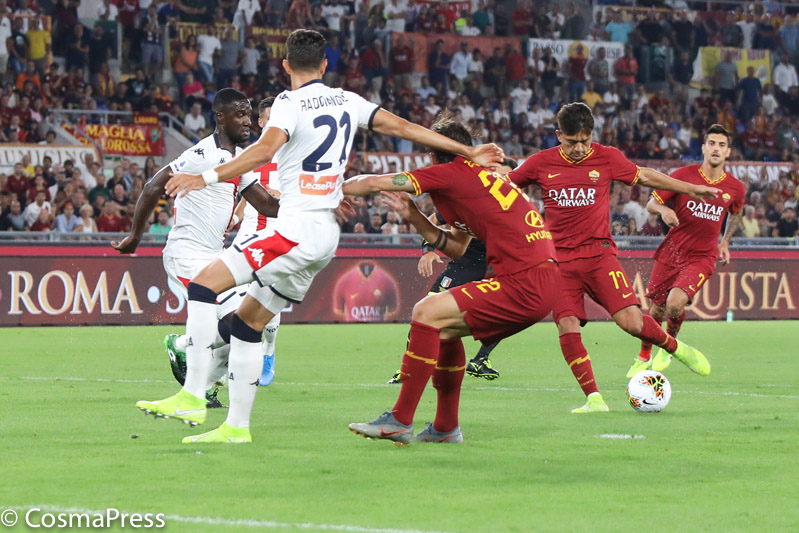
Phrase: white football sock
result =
(181, 342)
(201, 329)
(218, 367)
(270, 335)
(245, 366)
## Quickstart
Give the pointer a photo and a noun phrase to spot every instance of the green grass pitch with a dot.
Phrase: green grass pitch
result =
(721, 457)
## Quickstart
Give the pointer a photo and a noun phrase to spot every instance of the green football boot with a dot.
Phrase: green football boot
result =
(182, 406)
(224, 434)
(594, 404)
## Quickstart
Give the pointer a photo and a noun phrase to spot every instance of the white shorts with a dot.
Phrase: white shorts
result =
(181, 270)
(285, 257)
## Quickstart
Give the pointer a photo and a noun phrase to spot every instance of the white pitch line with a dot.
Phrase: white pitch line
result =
(216, 521)
(621, 436)
(383, 385)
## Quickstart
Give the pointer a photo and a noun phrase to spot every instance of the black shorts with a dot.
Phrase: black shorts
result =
(459, 272)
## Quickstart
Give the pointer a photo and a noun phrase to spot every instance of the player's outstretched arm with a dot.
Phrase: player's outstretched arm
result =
(451, 242)
(666, 213)
(364, 185)
(261, 200)
(652, 178)
(257, 154)
(484, 155)
(152, 192)
(733, 220)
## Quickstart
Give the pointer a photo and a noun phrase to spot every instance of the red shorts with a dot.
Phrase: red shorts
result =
(501, 306)
(602, 278)
(689, 277)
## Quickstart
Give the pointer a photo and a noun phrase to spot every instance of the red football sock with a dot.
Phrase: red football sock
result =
(652, 333)
(576, 356)
(447, 379)
(417, 367)
(646, 350)
(673, 324)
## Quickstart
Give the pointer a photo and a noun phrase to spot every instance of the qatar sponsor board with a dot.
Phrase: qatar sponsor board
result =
(87, 290)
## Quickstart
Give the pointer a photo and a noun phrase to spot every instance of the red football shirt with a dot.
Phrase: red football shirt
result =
(366, 293)
(700, 222)
(577, 196)
(487, 205)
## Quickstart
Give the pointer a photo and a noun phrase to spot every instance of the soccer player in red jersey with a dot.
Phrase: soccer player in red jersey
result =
(575, 179)
(686, 258)
(520, 288)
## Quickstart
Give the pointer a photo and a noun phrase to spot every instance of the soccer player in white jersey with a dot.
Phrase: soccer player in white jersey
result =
(311, 130)
(251, 221)
(202, 217)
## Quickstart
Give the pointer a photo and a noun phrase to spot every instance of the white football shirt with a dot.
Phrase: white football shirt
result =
(202, 217)
(320, 123)
(252, 220)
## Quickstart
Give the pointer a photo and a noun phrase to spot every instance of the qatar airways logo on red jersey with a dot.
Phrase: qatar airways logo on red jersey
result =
(705, 210)
(573, 196)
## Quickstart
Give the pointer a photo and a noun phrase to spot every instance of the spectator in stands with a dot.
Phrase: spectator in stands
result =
(248, 12)
(726, 79)
(161, 225)
(652, 227)
(354, 79)
(17, 46)
(461, 59)
(618, 29)
(438, 64)
(765, 34)
(43, 222)
(152, 52)
(731, 34)
(38, 45)
(67, 222)
(18, 183)
(209, 48)
(14, 220)
(373, 63)
(576, 65)
(747, 26)
(626, 69)
(599, 70)
(230, 59)
(750, 226)
(86, 223)
(109, 220)
(99, 48)
(787, 225)
(35, 208)
(785, 75)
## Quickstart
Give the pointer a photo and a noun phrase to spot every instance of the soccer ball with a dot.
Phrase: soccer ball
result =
(649, 391)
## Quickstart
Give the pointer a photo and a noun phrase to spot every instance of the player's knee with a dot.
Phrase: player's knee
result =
(421, 313)
(200, 293)
(632, 323)
(674, 310)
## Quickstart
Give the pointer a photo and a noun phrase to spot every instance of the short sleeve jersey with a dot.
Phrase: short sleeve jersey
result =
(576, 196)
(202, 217)
(320, 123)
(366, 293)
(254, 221)
(696, 237)
(487, 205)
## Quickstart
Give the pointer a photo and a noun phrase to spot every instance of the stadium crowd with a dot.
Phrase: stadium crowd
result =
(650, 111)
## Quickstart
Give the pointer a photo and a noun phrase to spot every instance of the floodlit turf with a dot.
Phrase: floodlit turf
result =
(721, 457)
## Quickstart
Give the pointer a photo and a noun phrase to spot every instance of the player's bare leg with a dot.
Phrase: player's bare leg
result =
(674, 311)
(647, 329)
(571, 345)
(435, 350)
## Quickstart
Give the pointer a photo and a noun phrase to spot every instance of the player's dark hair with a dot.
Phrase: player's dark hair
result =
(447, 125)
(575, 118)
(226, 98)
(265, 104)
(718, 129)
(510, 163)
(306, 50)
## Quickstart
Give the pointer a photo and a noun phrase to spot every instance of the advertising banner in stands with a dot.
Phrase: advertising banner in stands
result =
(119, 139)
(360, 285)
(190, 28)
(274, 38)
(710, 56)
(12, 153)
(423, 44)
(562, 49)
(753, 171)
